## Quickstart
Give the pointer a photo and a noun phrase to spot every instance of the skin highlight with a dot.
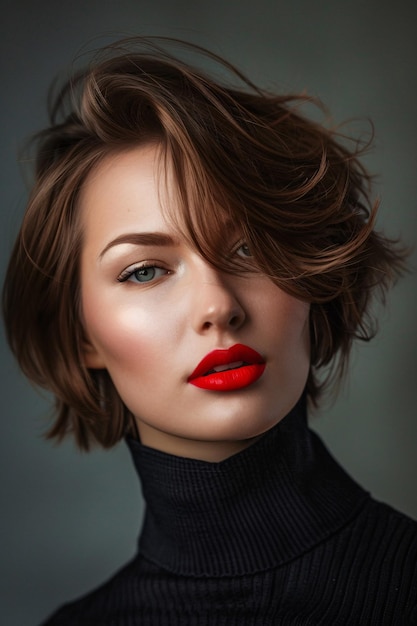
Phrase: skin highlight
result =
(153, 308)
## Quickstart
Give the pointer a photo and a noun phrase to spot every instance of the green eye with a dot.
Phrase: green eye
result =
(144, 274)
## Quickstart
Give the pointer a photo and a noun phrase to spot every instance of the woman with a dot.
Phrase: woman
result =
(192, 257)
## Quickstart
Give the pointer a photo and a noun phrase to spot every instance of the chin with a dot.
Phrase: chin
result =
(238, 425)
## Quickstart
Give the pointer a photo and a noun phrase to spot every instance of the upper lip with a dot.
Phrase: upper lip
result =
(234, 354)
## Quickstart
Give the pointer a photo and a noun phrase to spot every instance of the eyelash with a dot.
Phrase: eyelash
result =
(241, 245)
(128, 273)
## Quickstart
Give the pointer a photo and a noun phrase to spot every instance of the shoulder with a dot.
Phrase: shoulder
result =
(394, 528)
(384, 537)
(103, 604)
(365, 571)
(379, 552)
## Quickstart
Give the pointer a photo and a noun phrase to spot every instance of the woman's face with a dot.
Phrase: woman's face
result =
(153, 309)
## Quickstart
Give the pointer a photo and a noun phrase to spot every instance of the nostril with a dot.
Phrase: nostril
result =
(222, 314)
(234, 321)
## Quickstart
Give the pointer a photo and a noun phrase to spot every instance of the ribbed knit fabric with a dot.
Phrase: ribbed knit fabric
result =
(276, 534)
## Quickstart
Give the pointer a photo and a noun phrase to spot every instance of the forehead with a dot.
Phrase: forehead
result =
(124, 189)
(137, 189)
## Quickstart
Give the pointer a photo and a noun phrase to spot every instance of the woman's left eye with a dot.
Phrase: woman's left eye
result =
(244, 251)
(142, 274)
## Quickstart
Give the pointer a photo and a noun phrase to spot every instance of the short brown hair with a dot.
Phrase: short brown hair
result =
(297, 192)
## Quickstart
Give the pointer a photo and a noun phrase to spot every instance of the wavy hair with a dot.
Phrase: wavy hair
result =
(296, 189)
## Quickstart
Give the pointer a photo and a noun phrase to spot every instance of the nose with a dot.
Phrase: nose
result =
(216, 305)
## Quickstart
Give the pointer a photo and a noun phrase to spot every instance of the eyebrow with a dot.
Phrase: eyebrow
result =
(141, 239)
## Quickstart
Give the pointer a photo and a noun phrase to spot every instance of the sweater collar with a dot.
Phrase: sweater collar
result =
(253, 511)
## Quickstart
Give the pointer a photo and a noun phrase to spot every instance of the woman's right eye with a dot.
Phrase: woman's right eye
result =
(142, 274)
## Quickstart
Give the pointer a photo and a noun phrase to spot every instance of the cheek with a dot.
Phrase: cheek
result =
(291, 315)
(302, 344)
(303, 320)
(293, 359)
(117, 333)
(299, 328)
(294, 331)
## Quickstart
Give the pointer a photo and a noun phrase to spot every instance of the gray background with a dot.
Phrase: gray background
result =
(70, 519)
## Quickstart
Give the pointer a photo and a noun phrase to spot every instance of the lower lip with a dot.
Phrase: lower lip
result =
(230, 380)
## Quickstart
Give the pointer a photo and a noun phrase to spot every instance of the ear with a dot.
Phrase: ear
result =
(92, 358)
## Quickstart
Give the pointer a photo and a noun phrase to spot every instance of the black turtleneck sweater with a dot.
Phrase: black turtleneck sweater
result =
(276, 534)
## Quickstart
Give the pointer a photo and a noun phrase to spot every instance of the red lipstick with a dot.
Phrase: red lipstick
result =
(228, 370)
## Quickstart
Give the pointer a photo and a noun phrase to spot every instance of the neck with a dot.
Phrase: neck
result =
(255, 510)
